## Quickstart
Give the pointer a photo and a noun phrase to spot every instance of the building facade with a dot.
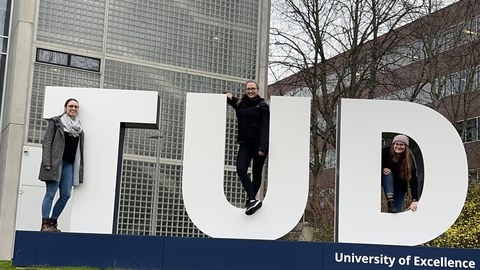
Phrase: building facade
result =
(170, 47)
(433, 60)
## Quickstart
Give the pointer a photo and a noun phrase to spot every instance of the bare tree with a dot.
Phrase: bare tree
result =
(359, 33)
(439, 65)
(369, 49)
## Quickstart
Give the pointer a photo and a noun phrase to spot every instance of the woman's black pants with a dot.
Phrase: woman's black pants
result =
(247, 152)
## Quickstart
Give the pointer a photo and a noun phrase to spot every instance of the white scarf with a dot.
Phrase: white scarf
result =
(72, 126)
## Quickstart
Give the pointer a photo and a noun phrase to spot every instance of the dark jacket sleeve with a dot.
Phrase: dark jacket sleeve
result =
(385, 157)
(47, 143)
(264, 129)
(414, 184)
(82, 138)
(232, 102)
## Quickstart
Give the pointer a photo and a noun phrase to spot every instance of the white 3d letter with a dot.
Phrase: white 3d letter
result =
(203, 169)
(101, 112)
(359, 219)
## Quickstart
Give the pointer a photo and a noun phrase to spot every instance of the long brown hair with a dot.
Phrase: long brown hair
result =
(405, 162)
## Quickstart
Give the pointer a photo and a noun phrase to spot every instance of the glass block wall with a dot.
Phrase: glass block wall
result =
(170, 47)
(49, 75)
(209, 35)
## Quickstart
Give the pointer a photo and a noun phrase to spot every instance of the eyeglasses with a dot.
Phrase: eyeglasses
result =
(72, 106)
(251, 89)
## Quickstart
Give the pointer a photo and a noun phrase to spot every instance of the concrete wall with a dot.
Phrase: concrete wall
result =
(14, 114)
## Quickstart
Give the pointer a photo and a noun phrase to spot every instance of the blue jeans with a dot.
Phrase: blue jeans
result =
(65, 186)
(392, 192)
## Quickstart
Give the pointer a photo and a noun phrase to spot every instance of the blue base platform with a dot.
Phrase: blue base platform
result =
(162, 253)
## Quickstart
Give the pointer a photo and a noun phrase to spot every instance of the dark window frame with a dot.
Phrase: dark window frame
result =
(69, 60)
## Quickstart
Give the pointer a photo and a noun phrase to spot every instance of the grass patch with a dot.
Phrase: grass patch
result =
(7, 265)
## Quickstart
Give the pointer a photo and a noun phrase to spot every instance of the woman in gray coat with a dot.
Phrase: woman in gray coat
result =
(62, 162)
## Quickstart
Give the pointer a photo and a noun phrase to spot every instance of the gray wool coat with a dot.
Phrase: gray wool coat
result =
(52, 153)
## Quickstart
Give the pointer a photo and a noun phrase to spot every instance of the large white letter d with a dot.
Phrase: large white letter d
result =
(203, 169)
(359, 219)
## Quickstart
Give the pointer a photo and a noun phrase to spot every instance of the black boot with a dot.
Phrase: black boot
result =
(46, 227)
(53, 224)
(390, 205)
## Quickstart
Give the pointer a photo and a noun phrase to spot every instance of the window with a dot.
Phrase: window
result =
(473, 174)
(51, 57)
(472, 130)
(68, 60)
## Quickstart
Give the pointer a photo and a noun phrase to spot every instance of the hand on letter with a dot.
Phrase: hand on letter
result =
(413, 206)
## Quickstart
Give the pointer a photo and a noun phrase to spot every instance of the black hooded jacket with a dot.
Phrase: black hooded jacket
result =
(253, 120)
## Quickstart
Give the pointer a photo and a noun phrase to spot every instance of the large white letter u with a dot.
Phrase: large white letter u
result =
(203, 169)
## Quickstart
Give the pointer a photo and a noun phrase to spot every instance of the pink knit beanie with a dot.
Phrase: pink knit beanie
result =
(400, 138)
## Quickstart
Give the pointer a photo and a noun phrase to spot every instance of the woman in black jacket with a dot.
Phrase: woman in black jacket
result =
(253, 116)
(399, 172)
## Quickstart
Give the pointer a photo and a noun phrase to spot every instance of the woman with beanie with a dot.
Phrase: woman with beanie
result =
(62, 162)
(398, 173)
(253, 117)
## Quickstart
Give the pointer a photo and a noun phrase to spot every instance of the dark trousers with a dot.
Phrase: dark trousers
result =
(246, 153)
